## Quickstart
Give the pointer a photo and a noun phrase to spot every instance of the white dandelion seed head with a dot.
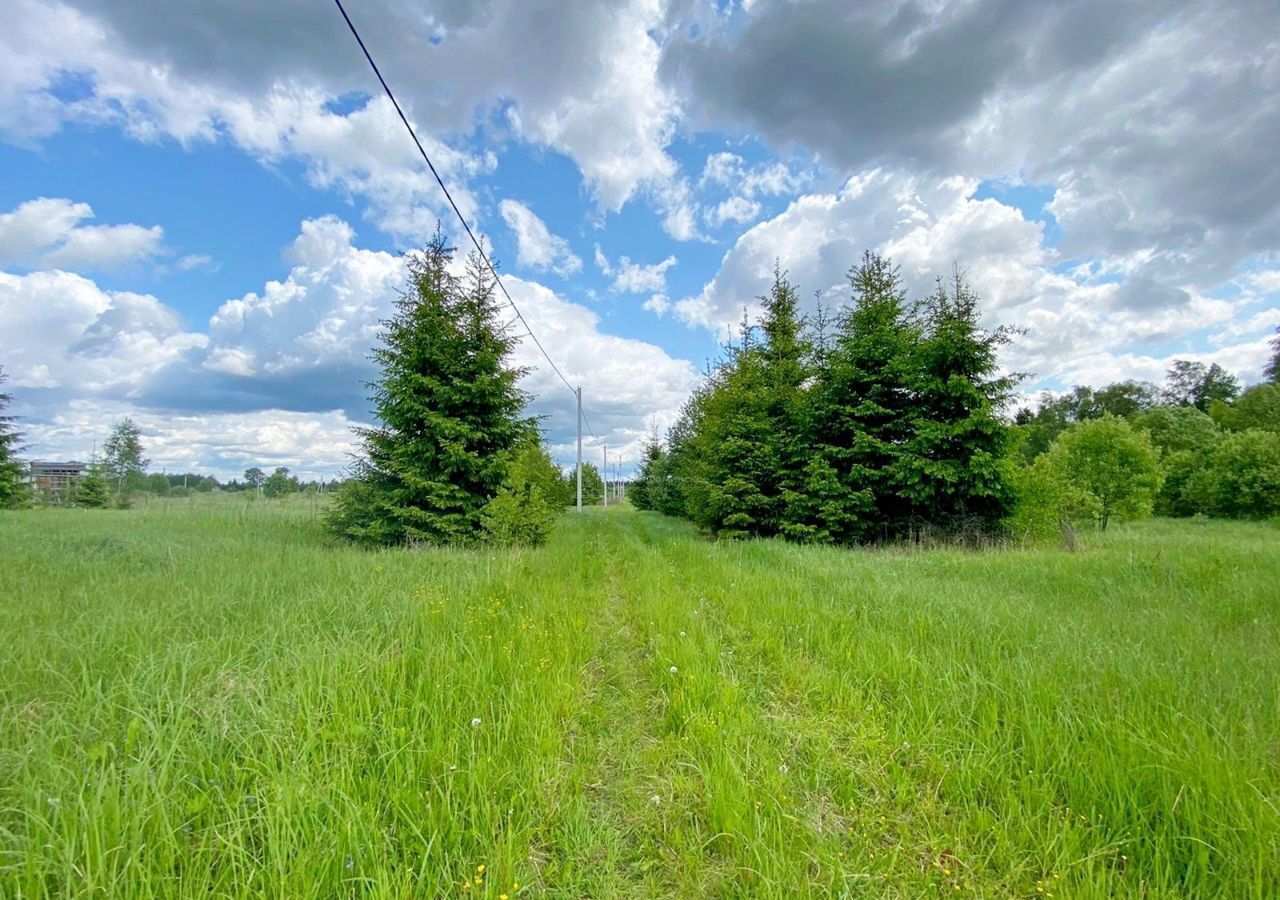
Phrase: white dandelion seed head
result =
(475, 723)
(784, 768)
(682, 634)
(655, 800)
(673, 670)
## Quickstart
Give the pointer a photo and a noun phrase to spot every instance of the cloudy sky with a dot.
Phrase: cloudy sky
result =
(202, 208)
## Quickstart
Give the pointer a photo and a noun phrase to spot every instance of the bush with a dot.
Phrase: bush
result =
(1047, 503)
(1258, 407)
(1109, 465)
(1241, 478)
(518, 516)
(526, 505)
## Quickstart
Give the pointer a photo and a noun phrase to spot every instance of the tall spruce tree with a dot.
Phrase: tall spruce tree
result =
(13, 481)
(786, 354)
(1272, 370)
(748, 444)
(448, 407)
(732, 453)
(951, 473)
(641, 492)
(860, 412)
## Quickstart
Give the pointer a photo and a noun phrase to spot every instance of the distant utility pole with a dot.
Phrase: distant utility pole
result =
(579, 393)
(606, 474)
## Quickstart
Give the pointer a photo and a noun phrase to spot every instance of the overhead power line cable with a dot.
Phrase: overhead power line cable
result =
(461, 218)
(587, 422)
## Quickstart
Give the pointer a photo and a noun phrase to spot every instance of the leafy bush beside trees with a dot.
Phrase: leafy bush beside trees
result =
(1257, 407)
(531, 497)
(1240, 478)
(1106, 469)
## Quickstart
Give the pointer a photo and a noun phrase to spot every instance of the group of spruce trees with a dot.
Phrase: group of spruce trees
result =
(876, 421)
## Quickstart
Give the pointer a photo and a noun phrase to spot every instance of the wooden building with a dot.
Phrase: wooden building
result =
(56, 477)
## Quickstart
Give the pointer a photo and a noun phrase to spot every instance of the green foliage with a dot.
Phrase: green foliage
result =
(861, 409)
(877, 422)
(745, 455)
(280, 483)
(91, 490)
(1126, 399)
(951, 473)
(1047, 502)
(641, 491)
(1177, 429)
(1194, 384)
(1258, 407)
(123, 463)
(1109, 462)
(1184, 435)
(529, 500)
(1272, 369)
(449, 412)
(1240, 478)
(158, 484)
(255, 477)
(592, 484)
(13, 474)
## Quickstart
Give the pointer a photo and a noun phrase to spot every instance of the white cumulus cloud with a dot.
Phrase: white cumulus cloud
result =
(48, 232)
(536, 247)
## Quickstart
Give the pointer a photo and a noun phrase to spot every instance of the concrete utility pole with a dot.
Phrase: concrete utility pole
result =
(579, 393)
(605, 472)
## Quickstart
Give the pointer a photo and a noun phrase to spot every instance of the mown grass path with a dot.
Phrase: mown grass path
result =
(217, 701)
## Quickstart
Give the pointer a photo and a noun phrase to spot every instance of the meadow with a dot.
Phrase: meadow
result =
(215, 699)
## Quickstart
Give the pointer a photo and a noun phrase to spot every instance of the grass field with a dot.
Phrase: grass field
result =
(214, 700)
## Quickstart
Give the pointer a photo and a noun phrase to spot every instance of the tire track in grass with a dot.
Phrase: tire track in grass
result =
(736, 824)
(849, 811)
(653, 818)
(600, 845)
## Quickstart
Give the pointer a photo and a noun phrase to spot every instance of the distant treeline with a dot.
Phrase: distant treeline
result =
(885, 419)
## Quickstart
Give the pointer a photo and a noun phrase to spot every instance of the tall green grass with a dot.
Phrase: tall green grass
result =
(213, 699)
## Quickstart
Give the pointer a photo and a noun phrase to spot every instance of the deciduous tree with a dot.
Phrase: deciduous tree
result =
(1112, 462)
(123, 462)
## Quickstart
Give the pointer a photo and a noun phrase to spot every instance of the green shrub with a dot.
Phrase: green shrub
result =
(1109, 462)
(1258, 407)
(526, 505)
(519, 516)
(1047, 503)
(1241, 478)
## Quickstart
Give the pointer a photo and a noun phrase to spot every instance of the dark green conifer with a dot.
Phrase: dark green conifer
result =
(448, 407)
(13, 474)
(860, 411)
(951, 475)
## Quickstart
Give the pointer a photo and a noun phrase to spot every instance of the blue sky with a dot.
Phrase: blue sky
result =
(201, 214)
